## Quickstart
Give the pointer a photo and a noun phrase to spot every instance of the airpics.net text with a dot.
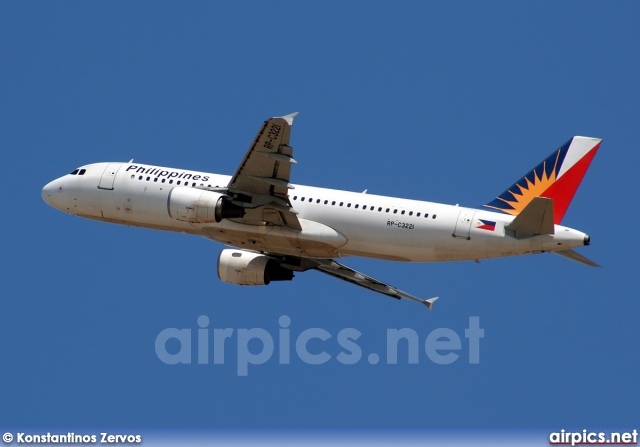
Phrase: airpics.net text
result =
(206, 345)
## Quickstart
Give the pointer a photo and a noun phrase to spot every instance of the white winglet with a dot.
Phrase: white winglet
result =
(430, 301)
(289, 118)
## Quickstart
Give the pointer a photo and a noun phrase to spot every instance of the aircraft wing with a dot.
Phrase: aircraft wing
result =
(337, 270)
(261, 182)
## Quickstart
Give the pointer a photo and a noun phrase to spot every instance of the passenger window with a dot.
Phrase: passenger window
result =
(155, 179)
(410, 213)
(302, 199)
(387, 210)
(333, 203)
(178, 182)
(171, 182)
(148, 178)
(317, 200)
(379, 209)
(348, 205)
(310, 200)
(356, 206)
(140, 178)
(341, 203)
(133, 177)
(163, 180)
(371, 208)
(434, 216)
(326, 201)
(295, 197)
(418, 215)
(426, 215)
(395, 211)
(402, 212)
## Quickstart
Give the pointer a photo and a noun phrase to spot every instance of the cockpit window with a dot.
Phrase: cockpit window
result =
(75, 171)
(82, 171)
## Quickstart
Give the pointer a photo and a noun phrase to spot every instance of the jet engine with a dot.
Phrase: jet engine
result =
(200, 206)
(246, 268)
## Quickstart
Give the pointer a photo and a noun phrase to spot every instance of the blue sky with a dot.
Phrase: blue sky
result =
(447, 102)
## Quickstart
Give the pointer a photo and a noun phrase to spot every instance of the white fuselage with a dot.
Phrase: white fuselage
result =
(334, 223)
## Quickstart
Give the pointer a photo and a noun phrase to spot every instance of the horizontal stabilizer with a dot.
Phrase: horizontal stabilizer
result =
(575, 256)
(536, 218)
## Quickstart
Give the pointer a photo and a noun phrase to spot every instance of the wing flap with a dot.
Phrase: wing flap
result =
(279, 157)
(273, 181)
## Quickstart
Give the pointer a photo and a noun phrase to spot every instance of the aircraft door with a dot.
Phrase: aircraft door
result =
(463, 224)
(109, 175)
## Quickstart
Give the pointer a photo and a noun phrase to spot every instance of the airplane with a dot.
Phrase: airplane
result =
(277, 228)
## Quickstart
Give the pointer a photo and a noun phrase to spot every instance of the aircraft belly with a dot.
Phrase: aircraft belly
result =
(315, 240)
(371, 237)
(388, 242)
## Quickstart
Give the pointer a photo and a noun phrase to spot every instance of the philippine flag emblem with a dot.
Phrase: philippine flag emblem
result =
(486, 225)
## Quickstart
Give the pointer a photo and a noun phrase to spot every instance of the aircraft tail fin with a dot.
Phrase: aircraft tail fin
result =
(557, 177)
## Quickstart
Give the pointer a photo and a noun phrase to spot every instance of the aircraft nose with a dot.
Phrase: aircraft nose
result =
(48, 190)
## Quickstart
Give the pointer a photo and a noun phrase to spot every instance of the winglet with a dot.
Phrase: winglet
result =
(430, 301)
(289, 118)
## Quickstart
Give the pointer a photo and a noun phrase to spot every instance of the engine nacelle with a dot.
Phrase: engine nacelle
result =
(199, 206)
(250, 269)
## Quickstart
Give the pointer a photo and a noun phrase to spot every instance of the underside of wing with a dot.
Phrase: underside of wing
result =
(261, 182)
(340, 271)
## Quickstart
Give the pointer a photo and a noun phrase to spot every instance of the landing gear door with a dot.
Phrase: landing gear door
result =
(463, 225)
(109, 175)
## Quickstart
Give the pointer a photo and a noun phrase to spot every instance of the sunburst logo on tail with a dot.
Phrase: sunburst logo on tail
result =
(531, 185)
(557, 178)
